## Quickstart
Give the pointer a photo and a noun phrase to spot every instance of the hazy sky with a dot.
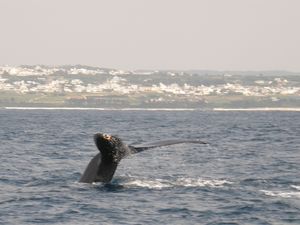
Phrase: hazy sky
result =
(152, 34)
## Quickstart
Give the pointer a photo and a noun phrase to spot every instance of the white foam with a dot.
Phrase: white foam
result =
(282, 194)
(180, 182)
(151, 184)
(296, 187)
(192, 182)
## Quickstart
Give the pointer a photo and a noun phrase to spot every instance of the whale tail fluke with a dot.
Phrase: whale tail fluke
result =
(102, 167)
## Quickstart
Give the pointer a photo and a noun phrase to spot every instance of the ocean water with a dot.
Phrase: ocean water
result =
(249, 173)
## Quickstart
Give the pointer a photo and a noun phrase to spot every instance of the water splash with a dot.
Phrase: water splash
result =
(179, 182)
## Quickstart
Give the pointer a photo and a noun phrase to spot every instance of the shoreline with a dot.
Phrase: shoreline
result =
(282, 109)
(101, 109)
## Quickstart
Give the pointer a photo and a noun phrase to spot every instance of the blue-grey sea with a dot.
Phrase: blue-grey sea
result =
(249, 173)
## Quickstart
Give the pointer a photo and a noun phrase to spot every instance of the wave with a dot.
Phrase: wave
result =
(180, 182)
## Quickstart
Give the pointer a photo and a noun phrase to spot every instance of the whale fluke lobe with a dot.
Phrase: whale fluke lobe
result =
(112, 150)
(157, 144)
(90, 173)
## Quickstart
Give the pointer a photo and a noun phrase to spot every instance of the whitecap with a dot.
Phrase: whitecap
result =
(282, 194)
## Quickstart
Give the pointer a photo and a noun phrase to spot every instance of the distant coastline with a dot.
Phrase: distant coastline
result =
(92, 87)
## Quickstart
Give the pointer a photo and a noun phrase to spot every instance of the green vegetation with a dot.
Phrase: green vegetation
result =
(143, 100)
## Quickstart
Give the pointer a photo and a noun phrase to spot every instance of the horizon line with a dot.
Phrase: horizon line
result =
(183, 70)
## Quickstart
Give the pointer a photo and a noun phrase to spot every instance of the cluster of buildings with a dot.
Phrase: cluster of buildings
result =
(41, 81)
